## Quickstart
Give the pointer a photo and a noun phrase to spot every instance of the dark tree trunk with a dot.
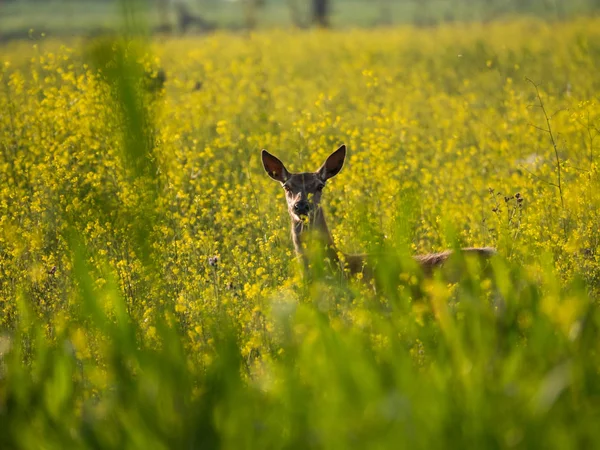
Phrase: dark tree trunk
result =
(321, 12)
(163, 13)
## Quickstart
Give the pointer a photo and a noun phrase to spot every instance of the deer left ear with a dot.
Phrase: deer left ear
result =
(332, 166)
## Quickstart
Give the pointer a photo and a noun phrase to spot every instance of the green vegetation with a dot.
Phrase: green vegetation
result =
(83, 17)
(149, 297)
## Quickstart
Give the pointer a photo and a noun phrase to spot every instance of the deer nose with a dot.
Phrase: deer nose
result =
(301, 208)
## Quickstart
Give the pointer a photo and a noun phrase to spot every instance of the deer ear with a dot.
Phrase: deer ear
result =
(332, 166)
(274, 167)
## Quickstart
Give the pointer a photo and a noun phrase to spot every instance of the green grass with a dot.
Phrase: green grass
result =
(67, 17)
(504, 360)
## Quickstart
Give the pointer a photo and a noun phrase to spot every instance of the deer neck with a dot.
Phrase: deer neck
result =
(317, 227)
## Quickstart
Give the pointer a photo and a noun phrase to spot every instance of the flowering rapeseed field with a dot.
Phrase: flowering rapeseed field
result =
(149, 295)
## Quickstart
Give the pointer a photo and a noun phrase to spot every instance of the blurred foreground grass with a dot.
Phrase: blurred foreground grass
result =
(148, 294)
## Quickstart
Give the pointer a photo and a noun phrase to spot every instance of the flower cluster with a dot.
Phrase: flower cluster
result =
(448, 144)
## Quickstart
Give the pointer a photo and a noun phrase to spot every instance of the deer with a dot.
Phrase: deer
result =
(303, 193)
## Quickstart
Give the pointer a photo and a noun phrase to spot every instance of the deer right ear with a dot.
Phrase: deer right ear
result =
(274, 167)
(332, 166)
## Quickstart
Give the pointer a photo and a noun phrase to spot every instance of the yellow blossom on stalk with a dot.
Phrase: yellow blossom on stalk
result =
(442, 151)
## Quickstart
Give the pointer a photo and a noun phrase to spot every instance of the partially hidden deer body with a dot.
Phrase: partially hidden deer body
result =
(303, 195)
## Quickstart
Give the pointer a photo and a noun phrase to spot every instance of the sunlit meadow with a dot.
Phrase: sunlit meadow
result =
(149, 294)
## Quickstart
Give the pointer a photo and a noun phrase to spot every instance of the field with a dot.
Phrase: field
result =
(19, 18)
(149, 293)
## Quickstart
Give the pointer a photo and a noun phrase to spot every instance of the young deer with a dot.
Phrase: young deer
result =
(303, 195)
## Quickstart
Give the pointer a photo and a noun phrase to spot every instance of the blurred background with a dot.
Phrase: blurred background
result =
(24, 18)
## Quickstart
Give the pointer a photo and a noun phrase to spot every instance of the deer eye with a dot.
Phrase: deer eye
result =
(320, 188)
(287, 189)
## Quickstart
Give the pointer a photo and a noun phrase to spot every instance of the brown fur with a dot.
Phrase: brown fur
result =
(304, 189)
(432, 261)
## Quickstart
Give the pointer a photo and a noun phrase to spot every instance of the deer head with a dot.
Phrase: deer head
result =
(303, 190)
